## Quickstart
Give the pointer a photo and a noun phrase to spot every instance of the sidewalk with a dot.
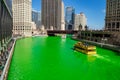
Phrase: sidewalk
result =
(7, 64)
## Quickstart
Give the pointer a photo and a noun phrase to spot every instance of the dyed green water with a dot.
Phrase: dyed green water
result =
(52, 58)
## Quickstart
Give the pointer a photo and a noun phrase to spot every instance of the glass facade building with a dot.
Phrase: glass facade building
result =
(69, 18)
(9, 4)
(6, 23)
(36, 17)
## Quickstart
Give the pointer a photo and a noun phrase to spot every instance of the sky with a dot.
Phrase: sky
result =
(93, 9)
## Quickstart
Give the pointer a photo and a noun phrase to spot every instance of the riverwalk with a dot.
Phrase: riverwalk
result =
(103, 45)
(7, 63)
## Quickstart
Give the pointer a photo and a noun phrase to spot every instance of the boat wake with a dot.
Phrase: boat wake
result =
(106, 58)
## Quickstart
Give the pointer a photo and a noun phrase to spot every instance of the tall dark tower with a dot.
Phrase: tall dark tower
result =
(112, 21)
(6, 23)
(51, 14)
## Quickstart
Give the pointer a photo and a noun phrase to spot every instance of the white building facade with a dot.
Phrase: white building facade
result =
(62, 17)
(22, 17)
(80, 21)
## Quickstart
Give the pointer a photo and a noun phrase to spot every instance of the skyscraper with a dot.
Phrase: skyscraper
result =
(39, 19)
(80, 21)
(112, 21)
(62, 17)
(69, 18)
(22, 17)
(6, 26)
(36, 17)
(51, 14)
(5, 23)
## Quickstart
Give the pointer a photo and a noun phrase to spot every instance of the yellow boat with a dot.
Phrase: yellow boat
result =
(85, 48)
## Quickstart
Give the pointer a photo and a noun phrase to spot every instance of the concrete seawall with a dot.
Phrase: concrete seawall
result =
(7, 65)
(107, 46)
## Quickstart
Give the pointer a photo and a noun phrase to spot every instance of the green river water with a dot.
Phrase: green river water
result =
(52, 58)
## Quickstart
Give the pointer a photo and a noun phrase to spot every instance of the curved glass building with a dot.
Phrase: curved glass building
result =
(6, 25)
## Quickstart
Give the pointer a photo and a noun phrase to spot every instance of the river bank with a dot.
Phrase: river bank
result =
(103, 45)
(8, 60)
(52, 58)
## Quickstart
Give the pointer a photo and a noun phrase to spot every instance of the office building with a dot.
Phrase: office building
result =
(39, 19)
(112, 21)
(9, 4)
(5, 24)
(22, 17)
(62, 18)
(52, 14)
(69, 18)
(36, 18)
(80, 21)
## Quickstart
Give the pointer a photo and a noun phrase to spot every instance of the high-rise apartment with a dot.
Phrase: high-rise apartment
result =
(22, 17)
(69, 18)
(112, 21)
(80, 21)
(52, 14)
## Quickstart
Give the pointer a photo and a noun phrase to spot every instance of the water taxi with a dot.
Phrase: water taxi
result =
(85, 48)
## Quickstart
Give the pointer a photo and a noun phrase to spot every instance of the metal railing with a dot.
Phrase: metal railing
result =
(6, 68)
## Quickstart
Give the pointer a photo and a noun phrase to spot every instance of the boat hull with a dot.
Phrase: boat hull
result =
(85, 51)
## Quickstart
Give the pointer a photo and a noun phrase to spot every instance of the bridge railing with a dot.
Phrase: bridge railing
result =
(62, 31)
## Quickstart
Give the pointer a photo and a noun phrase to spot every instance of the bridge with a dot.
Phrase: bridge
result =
(53, 32)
